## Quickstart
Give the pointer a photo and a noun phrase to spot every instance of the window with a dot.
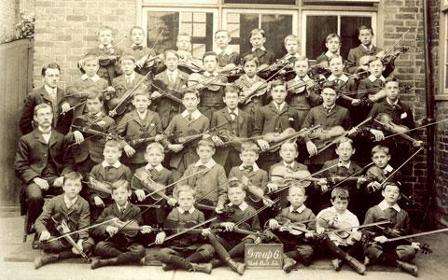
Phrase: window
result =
(276, 24)
(323, 23)
(198, 23)
(270, 2)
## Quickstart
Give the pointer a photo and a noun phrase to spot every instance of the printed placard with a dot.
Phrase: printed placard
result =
(263, 256)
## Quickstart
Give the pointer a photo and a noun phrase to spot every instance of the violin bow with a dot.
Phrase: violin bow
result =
(306, 178)
(81, 230)
(417, 128)
(401, 166)
(292, 136)
(403, 135)
(360, 226)
(186, 230)
(259, 210)
(345, 134)
(417, 234)
(356, 172)
(151, 205)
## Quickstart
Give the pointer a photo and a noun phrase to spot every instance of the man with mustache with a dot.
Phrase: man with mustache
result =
(42, 158)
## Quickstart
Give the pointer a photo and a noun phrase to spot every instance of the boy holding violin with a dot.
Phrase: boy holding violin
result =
(118, 245)
(338, 227)
(274, 119)
(376, 176)
(147, 180)
(333, 119)
(294, 227)
(89, 83)
(206, 177)
(108, 54)
(183, 133)
(87, 148)
(254, 178)
(337, 170)
(172, 81)
(231, 232)
(302, 94)
(210, 85)
(190, 250)
(379, 250)
(227, 58)
(145, 58)
(137, 125)
(257, 38)
(333, 45)
(61, 214)
(103, 175)
(232, 122)
(117, 104)
(253, 88)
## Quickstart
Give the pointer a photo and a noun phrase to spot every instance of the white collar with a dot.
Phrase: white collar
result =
(51, 91)
(329, 109)
(372, 78)
(261, 48)
(105, 46)
(388, 168)
(69, 203)
(330, 54)
(131, 77)
(137, 45)
(158, 167)
(292, 165)
(343, 78)
(181, 210)
(195, 115)
(95, 77)
(279, 107)
(305, 78)
(333, 209)
(174, 73)
(228, 50)
(122, 208)
(253, 79)
(243, 206)
(209, 164)
(208, 74)
(346, 165)
(368, 48)
(142, 116)
(235, 111)
(383, 205)
(300, 209)
(395, 103)
(116, 164)
(44, 132)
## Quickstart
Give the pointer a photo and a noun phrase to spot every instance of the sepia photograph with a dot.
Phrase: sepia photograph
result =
(223, 139)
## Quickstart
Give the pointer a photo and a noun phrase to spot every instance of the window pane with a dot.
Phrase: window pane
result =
(349, 32)
(166, 21)
(276, 28)
(241, 25)
(278, 2)
(197, 24)
(317, 28)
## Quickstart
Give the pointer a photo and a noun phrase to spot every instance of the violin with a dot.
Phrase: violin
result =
(163, 89)
(255, 90)
(385, 120)
(257, 193)
(283, 62)
(198, 82)
(276, 139)
(283, 178)
(189, 67)
(61, 225)
(129, 228)
(294, 228)
(137, 141)
(91, 131)
(149, 60)
(205, 204)
(118, 106)
(143, 179)
(104, 189)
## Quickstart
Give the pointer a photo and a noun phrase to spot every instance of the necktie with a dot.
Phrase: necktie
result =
(248, 168)
(188, 118)
(232, 115)
(137, 47)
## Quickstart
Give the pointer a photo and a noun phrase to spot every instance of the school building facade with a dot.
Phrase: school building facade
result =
(65, 30)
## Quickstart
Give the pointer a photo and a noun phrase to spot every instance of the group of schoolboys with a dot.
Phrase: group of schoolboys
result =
(202, 168)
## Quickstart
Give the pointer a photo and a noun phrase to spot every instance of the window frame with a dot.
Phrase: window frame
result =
(146, 9)
(442, 93)
(338, 14)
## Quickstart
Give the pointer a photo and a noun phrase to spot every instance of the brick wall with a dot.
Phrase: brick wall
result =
(9, 15)
(65, 30)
